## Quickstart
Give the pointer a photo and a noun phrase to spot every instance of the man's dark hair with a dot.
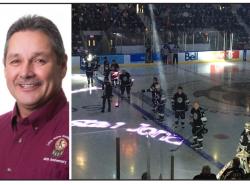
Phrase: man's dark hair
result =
(38, 23)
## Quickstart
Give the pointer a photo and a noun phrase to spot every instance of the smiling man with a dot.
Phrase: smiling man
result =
(34, 135)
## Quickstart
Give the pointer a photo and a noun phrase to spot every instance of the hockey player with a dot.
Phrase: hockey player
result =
(114, 66)
(125, 83)
(89, 68)
(245, 139)
(180, 106)
(198, 121)
(152, 89)
(106, 68)
(114, 73)
(244, 145)
(107, 94)
(158, 98)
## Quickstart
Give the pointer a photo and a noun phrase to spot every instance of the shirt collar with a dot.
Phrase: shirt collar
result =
(42, 115)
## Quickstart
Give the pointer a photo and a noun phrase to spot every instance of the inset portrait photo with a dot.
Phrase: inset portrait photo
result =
(34, 114)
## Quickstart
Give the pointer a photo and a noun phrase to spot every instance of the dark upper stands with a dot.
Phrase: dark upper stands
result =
(176, 18)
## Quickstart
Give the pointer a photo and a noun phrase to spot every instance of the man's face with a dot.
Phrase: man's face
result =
(32, 72)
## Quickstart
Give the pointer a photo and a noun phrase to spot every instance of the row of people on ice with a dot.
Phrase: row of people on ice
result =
(179, 102)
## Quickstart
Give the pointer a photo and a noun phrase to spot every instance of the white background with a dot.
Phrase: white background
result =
(60, 14)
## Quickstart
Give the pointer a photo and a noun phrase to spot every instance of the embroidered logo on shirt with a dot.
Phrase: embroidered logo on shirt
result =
(60, 145)
(57, 147)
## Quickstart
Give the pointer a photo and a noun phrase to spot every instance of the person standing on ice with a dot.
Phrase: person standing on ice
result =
(180, 106)
(198, 120)
(106, 68)
(107, 94)
(89, 67)
(158, 98)
(125, 83)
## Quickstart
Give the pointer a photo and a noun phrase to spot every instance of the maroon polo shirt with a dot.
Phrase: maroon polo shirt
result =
(36, 147)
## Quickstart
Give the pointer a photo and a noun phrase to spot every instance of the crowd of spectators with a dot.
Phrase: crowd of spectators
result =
(111, 18)
(244, 12)
(174, 18)
(108, 17)
(189, 18)
(77, 41)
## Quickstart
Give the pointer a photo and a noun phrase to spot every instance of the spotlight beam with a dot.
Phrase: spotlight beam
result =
(156, 45)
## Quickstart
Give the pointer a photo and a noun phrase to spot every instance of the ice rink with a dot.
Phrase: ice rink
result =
(222, 89)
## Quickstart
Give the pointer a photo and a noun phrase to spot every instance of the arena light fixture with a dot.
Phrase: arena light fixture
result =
(156, 45)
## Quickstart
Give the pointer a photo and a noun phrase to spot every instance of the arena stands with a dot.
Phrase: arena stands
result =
(171, 19)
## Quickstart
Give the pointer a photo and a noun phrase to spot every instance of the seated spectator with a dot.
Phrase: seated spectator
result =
(247, 176)
(235, 172)
(205, 174)
(145, 176)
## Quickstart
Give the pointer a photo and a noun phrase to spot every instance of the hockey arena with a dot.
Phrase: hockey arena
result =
(146, 133)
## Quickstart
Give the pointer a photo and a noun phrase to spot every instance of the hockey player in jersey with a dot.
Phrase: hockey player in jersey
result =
(180, 106)
(244, 145)
(152, 89)
(106, 68)
(107, 94)
(89, 68)
(125, 83)
(114, 73)
(198, 121)
(158, 98)
(114, 66)
(160, 101)
(245, 139)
